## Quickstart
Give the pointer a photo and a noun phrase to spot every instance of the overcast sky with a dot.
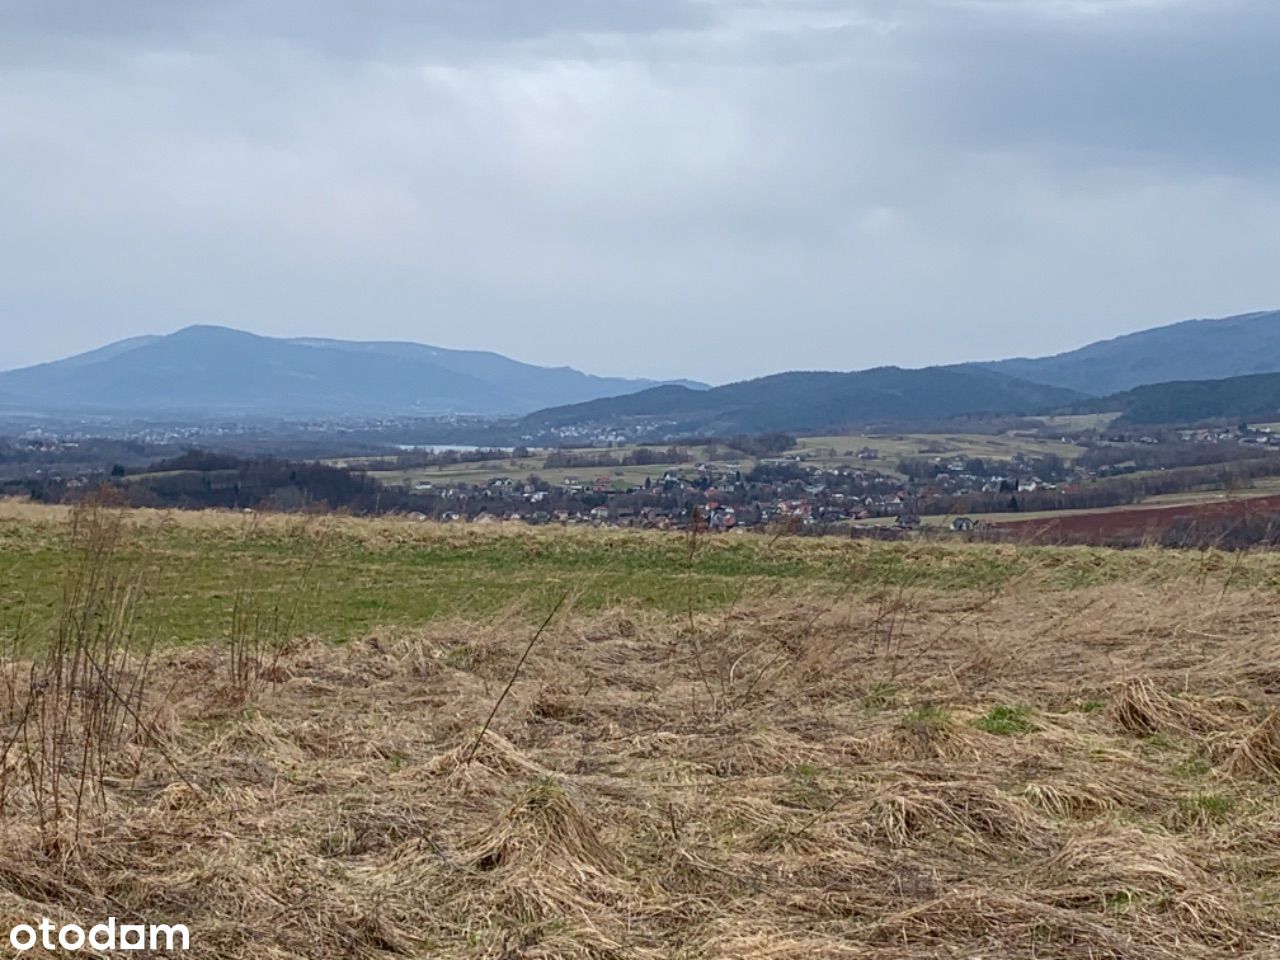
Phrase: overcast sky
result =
(704, 188)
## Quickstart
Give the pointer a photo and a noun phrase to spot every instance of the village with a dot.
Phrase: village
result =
(800, 491)
(724, 497)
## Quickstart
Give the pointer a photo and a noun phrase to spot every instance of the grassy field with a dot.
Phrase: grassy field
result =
(1076, 422)
(842, 450)
(593, 744)
(339, 578)
(519, 468)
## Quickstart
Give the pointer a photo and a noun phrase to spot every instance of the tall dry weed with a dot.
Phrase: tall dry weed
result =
(77, 713)
(263, 624)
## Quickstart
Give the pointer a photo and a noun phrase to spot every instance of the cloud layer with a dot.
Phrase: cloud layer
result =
(711, 188)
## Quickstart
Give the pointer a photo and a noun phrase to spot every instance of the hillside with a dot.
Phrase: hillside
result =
(810, 402)
(1234, 398)
(205, 371)
(1190, 350)
(786, 749)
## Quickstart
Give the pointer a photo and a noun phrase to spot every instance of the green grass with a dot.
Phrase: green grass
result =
(1122, 901)
(1006, 721)
(880, 697)
(1161, 743)
(1192, 768)
(927, 717)
(1209, 807)
(343, 578)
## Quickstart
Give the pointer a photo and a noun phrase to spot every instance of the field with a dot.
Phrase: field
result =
(1141, 521)
(518, 468)
(842, 450)
(834, 451)
(340, 578)
(1149, 518)
(1076, 422)
(466, 743)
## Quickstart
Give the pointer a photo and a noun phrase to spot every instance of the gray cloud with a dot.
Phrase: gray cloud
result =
(713, 188)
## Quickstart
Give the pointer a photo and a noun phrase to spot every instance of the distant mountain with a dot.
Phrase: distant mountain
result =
(1252, 397)
(515, 376)
(808, 402)
(207, 371)
(1192, 349)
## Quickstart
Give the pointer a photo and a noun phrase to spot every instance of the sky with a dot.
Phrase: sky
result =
(714, 189)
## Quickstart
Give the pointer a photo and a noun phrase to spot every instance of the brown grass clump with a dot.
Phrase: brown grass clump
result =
(1092, 796)
(1140, 707)
(930, 776)
(1258, 754)
(546, 858)
(923, 734)
(492, 756)
(974, 814)
(1115, 865)
(1014, 925)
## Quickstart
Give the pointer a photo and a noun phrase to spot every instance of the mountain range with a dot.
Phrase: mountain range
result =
(205, 372)
(810, 402)
(208, 371)
(1187, 353)
(1190, 350)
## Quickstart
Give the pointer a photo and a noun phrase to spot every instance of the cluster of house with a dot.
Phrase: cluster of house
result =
(1244, 435)
(787, 489)
(718, 496)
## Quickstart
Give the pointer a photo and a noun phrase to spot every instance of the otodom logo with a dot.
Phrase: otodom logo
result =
(106, 936)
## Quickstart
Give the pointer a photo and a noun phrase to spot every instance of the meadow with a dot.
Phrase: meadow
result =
(329, 737)
(338, 578)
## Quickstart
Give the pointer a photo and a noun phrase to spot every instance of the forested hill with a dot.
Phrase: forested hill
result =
(1255, 397)
(1190, 350)
(810, 402)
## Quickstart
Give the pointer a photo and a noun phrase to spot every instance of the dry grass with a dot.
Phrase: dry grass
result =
(790, 780)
